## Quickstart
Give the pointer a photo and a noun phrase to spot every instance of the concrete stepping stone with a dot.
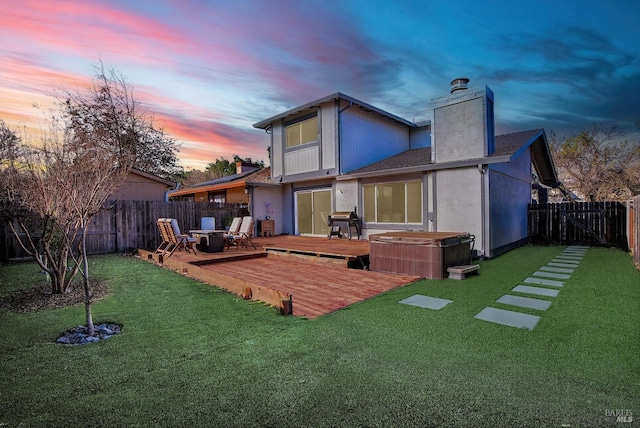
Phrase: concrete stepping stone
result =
(539, 291)
(509, 318)
(557, 269)
(541, 281)
(568, 258)
(573, 255)
(565, 263)
(551, 275)
(426, 302)
(562, 265)
(525, 302)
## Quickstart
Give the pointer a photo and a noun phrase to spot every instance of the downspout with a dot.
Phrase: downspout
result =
(433, 202)
(485, 215)
(339, 158)
(252, 209)
(339, 134)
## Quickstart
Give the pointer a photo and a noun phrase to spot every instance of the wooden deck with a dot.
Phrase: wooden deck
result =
(310, 275)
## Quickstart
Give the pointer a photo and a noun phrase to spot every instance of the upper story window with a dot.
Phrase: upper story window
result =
(302, 132)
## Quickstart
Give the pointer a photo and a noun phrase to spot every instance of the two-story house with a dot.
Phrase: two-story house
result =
(450, 173)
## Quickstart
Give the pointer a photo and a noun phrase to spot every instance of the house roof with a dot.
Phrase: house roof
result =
(508, 147)
(261, 177)
(153, 177)
(265, 124)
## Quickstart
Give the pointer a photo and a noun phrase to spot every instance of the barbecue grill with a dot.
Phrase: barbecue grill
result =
(343, 218)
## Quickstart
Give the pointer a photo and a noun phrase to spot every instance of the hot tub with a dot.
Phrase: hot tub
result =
(424, 254)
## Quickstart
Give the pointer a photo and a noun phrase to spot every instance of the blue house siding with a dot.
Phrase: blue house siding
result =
(366, 138)
(420, 137)
(509, 195)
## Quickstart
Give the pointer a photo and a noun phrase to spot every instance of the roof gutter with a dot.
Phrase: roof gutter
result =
(428, 167)
(194, 190)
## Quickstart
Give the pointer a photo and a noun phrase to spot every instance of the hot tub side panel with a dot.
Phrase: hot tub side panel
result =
(409, 259)
(428, 261)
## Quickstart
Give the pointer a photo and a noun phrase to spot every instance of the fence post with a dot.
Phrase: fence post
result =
(635, 228)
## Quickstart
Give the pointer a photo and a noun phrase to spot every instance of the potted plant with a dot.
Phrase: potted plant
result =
(227, 223)
(268, 210)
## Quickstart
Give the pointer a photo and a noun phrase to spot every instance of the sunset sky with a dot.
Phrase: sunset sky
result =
(208, 70)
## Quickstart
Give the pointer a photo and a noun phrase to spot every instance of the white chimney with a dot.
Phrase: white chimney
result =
(463, 123)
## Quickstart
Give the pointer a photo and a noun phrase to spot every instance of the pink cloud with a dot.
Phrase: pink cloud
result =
(277, 55)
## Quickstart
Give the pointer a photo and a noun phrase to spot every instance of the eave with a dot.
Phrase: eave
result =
(427, 167)
(211, 188)
(265, 124)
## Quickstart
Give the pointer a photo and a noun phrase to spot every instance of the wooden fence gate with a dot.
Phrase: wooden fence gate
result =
(579, 223)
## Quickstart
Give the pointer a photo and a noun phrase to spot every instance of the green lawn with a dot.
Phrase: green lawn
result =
(192, 355)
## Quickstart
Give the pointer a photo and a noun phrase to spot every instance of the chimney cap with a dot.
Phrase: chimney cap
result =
(459, 84)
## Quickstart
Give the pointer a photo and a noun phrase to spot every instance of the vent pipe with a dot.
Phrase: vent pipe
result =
(459, 84)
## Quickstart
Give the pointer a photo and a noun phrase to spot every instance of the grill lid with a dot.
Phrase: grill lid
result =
(344, 215)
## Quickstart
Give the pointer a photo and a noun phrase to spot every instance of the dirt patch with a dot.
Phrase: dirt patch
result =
(39, 298)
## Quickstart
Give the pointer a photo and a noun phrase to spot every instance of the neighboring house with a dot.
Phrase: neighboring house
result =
(228, 189)
(250, 185)
(450, 173)
(141, 186)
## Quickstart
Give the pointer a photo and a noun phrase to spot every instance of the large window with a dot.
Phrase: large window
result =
(305, 131)
(399, 202)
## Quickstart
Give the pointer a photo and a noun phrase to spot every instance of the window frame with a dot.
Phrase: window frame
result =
(299, 121)
(212, 196)
(406, 199)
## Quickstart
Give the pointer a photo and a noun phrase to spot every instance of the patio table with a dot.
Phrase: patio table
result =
(209, 241)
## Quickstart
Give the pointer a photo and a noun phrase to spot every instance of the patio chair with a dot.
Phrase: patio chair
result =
(208, 223)
(164, 225)
(180, 240)
(163, 235)
(233, 230)
(243, 237)
(235, 225)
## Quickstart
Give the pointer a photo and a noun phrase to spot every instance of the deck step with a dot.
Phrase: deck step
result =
(459, 272)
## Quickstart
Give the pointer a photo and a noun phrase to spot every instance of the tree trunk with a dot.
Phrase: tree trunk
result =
(53, 263)
(88, 295)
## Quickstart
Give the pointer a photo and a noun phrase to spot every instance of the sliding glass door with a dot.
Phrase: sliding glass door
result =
(313, 208)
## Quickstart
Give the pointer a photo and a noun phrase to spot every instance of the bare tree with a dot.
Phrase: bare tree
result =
(33, 210)
(101, 141)
(95, 140)
(598, 164)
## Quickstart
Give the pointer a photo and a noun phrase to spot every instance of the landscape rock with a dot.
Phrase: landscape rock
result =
(80, 336)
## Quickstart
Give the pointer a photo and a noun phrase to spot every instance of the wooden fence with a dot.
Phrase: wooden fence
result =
(634, 226)
(579, 223)
(126, 225)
